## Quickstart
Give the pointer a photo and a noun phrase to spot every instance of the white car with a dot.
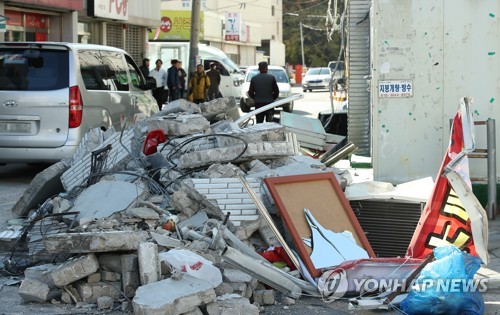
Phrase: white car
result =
(246, 103)
(317, 78)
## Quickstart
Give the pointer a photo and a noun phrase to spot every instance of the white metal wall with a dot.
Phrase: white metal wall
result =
(448, 49)
(358, 56)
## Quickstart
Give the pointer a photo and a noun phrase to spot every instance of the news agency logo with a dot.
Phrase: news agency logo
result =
(333, 285)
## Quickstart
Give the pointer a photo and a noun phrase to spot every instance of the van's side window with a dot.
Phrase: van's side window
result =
(135, 77)
(222, 70)
(103, 70)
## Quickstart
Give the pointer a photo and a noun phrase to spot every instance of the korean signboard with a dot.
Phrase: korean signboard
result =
(63, 4)
(396, 88)
(175, 26)
(111, 9)
(233, 26)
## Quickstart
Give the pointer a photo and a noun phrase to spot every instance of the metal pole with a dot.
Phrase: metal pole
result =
(195, 34)
(302, 46)
(492, 168)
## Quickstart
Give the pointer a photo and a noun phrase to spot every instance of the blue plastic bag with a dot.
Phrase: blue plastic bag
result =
(446, 286)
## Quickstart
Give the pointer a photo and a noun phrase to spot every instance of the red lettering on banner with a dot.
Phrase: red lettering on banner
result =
(119, 6)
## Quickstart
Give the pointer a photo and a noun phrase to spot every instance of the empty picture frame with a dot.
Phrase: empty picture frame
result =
(323, 196)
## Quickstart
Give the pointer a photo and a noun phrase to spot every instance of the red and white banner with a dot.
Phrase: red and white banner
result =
(444, 219)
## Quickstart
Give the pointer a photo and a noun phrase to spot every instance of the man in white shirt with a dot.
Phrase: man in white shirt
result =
(160, 76)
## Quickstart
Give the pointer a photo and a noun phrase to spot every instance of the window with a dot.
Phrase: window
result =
(103, 70)
(272, 10)
(33, 69)
(135, 76)
(221, 68)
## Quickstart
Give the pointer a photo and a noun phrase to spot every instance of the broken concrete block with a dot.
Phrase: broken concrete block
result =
(235, 275)
(182, 202)
(194, 221)
(130, 274)
(45, 184)
(105, 302)
(149, 263)
(144, 213)
(214, 108)
(262, 150)
(106, 197)
(264, 297)
(32, 290)
(73, 270)
(94, 278)
(166, 241)
(254, 134)
(223, 171)
(267, 234)
(110, 276)
(172, 296)
(40, 273)
(223, 288)
(66, 298)
(110, 262)
(90, 242)
(288, 301)
(232, 304)
(245, 231)
(179, 125)
(90, 292)
(178, 106)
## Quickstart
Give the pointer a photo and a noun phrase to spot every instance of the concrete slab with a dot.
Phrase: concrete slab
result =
(232, 304)
(90, 242)
(73, 270)
(105, 198)
(44, 185)
(171, 296)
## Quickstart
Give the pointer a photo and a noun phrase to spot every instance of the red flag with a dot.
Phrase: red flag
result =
(444, 219)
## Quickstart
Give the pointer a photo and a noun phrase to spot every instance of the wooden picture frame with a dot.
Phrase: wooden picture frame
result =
(323, 196)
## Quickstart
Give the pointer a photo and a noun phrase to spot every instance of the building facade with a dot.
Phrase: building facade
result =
(120, 23)
(246, 32)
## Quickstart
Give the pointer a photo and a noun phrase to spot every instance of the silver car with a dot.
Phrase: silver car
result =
(246, 103)
(51, 94)
(317, 78)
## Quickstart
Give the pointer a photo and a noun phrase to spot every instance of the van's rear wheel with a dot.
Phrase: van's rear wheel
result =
(244, 107)
(288, 107)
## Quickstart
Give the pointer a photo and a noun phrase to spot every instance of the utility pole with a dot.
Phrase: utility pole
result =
(302, 47)
(195, 34)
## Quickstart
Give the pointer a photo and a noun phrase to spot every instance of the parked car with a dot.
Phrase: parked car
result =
(246, 103)
(317, 78)
(51, 94)
(337, 68)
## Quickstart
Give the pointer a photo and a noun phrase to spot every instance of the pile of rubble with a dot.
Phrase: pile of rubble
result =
(156, 220)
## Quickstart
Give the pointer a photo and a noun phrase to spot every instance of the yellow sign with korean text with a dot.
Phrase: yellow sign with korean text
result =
(175, 26)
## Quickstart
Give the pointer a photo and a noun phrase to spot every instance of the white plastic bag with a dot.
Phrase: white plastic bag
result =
(192, 264)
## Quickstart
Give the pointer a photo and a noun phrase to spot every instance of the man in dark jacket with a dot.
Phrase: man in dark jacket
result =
(145, 67)
(173, 81)
(263, 90)
(214, 75)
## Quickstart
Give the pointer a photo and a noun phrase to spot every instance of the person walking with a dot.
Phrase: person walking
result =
(198, 85)
(173, 81)
(214, 75)
(160, 76)
(145, 67)
(263, 90)
(182, 79)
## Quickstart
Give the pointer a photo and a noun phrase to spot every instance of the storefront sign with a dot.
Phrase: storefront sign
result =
(175, 25)
(400, 88)
(233, 22)
(74, 5)
(36, 20)
(111, 9)
(14, 18)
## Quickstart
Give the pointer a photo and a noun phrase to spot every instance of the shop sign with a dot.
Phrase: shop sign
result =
(36, 20)
(14, 18)
(110, 9)
(74, 5)
(175, 25)
(233, 22)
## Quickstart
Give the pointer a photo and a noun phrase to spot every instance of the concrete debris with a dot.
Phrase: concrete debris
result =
(171, 296)
(232, 304)
(117, 212)
(73, 270)
(87, 242)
